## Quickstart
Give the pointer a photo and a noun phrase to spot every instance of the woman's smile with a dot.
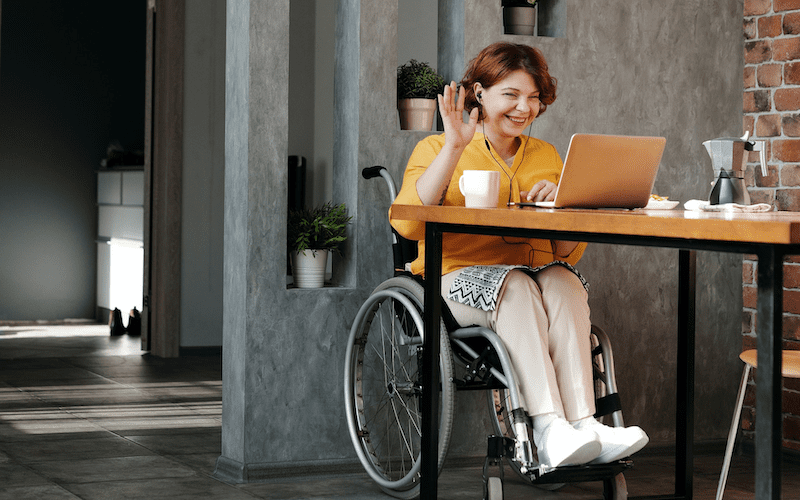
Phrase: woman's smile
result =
(509, 106)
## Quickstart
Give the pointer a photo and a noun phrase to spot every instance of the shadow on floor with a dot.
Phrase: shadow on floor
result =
(86, 415)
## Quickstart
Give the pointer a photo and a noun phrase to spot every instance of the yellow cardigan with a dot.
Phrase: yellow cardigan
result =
(541, 161)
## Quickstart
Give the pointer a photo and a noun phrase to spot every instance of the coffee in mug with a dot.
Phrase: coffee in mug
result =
(480, 188)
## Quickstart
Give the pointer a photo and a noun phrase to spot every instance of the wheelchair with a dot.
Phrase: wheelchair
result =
(382, 382)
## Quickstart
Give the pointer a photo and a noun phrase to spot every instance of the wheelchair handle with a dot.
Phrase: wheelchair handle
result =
(371, 172)
(376, 171)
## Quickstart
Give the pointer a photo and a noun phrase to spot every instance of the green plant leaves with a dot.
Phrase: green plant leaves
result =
(320, 228)
(418, 79)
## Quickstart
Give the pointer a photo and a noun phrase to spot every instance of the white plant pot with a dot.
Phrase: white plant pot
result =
(308, 268)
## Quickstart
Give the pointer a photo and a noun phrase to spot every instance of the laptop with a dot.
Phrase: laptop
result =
(607, 171)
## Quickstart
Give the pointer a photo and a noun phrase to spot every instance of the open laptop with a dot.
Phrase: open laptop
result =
(607, 171)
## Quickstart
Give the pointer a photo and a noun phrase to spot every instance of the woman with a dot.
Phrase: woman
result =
(534, 299)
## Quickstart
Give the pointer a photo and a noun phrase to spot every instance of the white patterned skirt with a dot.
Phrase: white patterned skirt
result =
(479, 286)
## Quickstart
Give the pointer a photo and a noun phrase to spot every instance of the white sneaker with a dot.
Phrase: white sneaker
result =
(561, 444)
(617, 442)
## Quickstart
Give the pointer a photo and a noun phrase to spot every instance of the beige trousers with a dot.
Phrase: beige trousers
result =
(544, 324)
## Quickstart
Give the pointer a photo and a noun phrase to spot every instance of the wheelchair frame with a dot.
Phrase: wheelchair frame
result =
(394, 312)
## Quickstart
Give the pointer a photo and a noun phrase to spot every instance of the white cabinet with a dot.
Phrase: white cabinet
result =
(120, 233)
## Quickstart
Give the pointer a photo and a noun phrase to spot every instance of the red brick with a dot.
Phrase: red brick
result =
(791, 73)
(794, 259)
(748, 122)
(791, 330)
(791, 276)
(791, 430)
(762, 196)
(790, 345)
(791, 23)
(790, 124)
(791, 301)
(756, 7)
(749, 77)
(749, 296)
(749, 28)
(788, 199)
(769, 26)
(790, 175)
(771, 180)
(757, 52)
(787, 150)
(790, 444)
(749, 418)
(770, 75)
(786, 49)
(748, 268)
(791, 402)
(782, 5)
(768, 126)
(791, 384)
(757, 101)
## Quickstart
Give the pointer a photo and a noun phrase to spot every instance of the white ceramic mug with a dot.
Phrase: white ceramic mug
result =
(480, 188)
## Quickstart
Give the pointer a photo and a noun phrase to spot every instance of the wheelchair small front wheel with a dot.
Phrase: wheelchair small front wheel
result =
(383, 387)
(494, 488)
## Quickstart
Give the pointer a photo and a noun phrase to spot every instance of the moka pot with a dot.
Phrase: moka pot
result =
(729, 159)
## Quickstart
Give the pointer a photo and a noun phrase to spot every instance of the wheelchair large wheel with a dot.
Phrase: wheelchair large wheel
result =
(383, 386)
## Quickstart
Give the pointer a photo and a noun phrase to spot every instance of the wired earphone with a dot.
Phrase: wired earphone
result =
(479, 96)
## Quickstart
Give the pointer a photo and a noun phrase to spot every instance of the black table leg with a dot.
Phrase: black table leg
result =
(684, 418)
(429, 405)
(769, 334)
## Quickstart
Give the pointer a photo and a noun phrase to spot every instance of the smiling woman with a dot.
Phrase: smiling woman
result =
(539, 305)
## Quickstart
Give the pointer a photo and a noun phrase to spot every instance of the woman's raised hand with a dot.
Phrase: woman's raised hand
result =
(451, 108)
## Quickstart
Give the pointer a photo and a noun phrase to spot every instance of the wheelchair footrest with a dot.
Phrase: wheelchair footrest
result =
(579, 473)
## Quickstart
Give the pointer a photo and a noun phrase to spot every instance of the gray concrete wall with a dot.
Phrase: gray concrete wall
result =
(624, 67)
(203, 175)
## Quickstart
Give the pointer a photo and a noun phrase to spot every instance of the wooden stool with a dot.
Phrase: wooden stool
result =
(790, 368)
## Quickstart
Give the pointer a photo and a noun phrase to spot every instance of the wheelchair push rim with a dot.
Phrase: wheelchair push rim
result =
(382, 387)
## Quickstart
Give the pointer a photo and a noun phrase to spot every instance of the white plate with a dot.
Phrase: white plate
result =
(661, 204)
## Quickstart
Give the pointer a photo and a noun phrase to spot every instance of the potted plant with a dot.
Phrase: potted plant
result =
(519, 17)
(312, 235)
(417, 87)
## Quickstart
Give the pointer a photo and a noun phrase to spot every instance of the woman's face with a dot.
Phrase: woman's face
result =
(510, 105)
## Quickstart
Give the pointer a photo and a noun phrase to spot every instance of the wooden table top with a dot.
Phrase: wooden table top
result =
(761, 227)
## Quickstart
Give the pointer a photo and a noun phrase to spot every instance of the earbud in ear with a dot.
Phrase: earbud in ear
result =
(480, 95)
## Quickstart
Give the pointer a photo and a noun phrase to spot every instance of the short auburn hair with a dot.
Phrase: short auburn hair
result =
(497, 61)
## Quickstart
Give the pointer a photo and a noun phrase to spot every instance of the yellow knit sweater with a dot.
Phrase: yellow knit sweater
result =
(540, 161)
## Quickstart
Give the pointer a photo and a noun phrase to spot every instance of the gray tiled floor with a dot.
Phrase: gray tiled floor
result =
(85, 415)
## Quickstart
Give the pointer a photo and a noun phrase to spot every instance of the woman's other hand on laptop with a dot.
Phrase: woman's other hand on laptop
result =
(543, 190)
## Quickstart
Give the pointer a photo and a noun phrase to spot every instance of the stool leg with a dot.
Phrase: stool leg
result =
(737, 413)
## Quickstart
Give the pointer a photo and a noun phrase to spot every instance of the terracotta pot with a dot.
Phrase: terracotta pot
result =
(308, 268)
(416, 114)
(519, 20)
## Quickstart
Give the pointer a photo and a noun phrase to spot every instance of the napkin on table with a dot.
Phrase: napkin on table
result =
(704, 206)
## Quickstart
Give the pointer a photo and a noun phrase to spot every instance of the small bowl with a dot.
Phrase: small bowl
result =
(654, 204)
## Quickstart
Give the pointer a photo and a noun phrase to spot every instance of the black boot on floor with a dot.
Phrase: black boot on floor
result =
(115, 323)
(135, 322)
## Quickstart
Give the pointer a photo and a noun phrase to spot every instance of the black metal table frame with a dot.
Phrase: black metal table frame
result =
(769, 320)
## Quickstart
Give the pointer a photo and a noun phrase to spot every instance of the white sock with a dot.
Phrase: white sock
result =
(585, 422)
(540, 422)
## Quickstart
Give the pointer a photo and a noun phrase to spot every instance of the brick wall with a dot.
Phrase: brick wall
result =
(772, 112)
